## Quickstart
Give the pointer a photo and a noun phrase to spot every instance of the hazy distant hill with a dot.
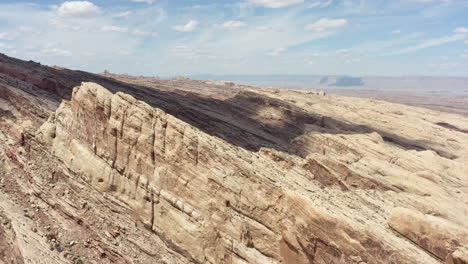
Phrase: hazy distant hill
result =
(426, 83)
(448, 94)
(404, 83)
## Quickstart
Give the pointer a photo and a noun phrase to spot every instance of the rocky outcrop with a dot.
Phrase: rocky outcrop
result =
(211, 201)
(459, 256)
(145, 170)
(170, 173)
(9, 250)
(434, 234)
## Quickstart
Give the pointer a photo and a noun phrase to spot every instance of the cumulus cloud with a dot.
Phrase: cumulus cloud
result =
(325, 23)
(466, 42)
(396, 31)
(321, 4)
(275, 3)
(191, 26)
(78, 9)
(461, 30)
(233, 24)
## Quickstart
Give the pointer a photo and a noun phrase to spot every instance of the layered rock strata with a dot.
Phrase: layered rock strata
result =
(215, 202)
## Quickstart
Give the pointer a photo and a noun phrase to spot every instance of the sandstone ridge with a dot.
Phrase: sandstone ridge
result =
(106, 169)
(155, 163)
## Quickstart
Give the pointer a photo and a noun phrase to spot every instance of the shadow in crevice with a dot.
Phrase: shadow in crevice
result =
(240, 119)
(452, 127)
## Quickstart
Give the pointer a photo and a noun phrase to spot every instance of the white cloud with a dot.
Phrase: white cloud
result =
(321, 4)
(25, 29)
(325, 23)
(113, 29)
(461, 30)
(264, 28)
(397, 31)
(122, 14)
(213, 50)
(466, 42)
(429, 1)
(233, 24)
(144, 33)
(276, 52)
(432, 43)
(56, 52)
(59, 24)
(7, 36)
(179, 49)
(353, 60)
(275, 3)
(319, 54)
(445, 65)
(58, 42)
(144, 1)
(343, 51)
(78, 9)
(191, 26)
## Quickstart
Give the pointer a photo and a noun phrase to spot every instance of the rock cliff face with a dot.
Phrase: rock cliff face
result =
(136, 172)
(215, 202)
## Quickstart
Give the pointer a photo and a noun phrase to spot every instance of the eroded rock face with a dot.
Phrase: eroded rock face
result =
(9, 250)
(459, 256)
(434, 234)
(145, 170)
(186, 185)
(213, 202)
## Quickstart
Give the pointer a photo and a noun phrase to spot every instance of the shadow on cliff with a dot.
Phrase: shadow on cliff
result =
(248, 120)
(240, 120)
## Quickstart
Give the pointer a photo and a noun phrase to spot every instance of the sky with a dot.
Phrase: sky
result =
(260, 37)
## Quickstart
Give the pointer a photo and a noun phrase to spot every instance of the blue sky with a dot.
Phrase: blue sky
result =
(176, 37)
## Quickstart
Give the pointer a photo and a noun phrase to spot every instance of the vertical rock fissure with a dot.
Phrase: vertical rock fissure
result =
(153, 144)
(197, 150)
(152, 208)
(164, 133)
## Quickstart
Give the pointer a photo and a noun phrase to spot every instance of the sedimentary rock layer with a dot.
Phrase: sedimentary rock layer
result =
(211, 201)
(145, 170)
